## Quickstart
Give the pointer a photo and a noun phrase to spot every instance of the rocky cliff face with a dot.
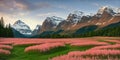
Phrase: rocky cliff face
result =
(36, 30)
(102, 18)
(51, 23)
(73, 19)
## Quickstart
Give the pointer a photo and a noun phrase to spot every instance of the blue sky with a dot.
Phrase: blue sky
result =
(34, 12)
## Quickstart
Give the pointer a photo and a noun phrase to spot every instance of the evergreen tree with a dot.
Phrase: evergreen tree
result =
(5, 31)
(2, 22)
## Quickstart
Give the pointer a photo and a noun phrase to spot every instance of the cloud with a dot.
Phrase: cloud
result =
(21, 6)
(43, 5)
(13, 10)
(12, 5)
(96, 4)
(47, 14)
(64, 7)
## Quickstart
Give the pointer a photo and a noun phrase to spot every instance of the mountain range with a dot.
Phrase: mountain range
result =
(76, 23)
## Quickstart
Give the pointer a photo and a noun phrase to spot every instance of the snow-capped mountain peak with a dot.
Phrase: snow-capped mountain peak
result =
(102, 9)
(78, 13)
(22, 27)
(54, 19)
(107, 9)
(19, 22)
(75, 16)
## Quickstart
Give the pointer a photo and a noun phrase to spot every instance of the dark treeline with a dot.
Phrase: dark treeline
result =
(112, 32)
(5, 30)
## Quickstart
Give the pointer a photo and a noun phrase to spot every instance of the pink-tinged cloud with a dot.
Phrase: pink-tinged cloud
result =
(21, 5)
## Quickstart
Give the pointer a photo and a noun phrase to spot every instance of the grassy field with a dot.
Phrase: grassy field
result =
(17, 53)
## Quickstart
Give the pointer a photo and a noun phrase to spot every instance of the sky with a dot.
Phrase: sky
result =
(34, 12)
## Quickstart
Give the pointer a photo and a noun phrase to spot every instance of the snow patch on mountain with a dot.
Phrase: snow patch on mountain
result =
(117, 14)
(76, 16)
(37, 27)
(107, 9)
(101, 10)
(77, 13)
(98, 23)
(55, 20)
(118, 10)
